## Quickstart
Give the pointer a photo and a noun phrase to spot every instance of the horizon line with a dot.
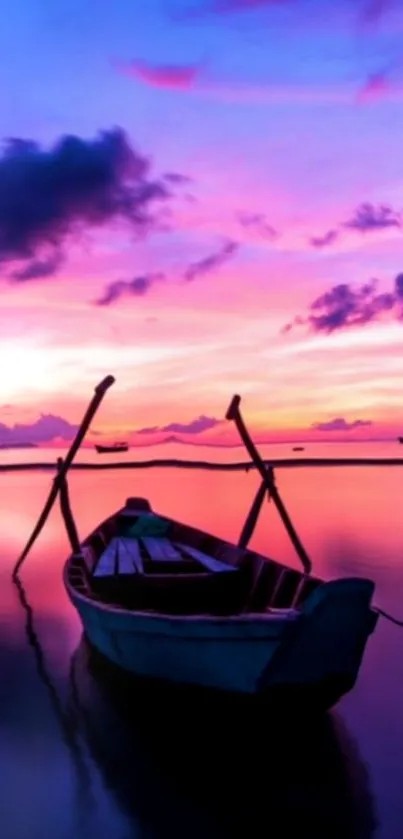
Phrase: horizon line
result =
(316, 440)
(237, 466)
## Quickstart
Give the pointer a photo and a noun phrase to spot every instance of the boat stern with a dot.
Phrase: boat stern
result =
(321, 653)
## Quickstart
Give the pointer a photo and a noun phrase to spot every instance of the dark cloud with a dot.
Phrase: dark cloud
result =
(45, 429)
(369, 217)
(322, 241)
(345, 306)
(196, 426)
(38, 268)
(47, 195)
(210, 263)
(172, 76)
(137, 287)
(399, 288)
(340, 424)
(258, 223)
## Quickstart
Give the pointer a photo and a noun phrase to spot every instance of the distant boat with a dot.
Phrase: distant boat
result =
(400, 439)
(115, 447)
(298, 448)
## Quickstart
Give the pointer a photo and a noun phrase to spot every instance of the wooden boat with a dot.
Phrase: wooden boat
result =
(115, 447)
(298, 448)
(165, 600)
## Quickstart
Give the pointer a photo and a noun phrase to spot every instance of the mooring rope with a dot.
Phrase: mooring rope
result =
(389, 617)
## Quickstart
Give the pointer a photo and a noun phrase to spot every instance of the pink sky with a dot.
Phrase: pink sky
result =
(278, 180)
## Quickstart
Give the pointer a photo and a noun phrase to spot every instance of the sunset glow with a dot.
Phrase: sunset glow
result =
(213, 206)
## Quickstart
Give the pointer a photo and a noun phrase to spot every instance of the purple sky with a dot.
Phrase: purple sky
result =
(203, 198)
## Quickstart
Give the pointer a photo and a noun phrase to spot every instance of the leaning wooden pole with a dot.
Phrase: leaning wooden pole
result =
(96, 400)
(66, 511)
(253, 515)
(285, 518)
(267, 476)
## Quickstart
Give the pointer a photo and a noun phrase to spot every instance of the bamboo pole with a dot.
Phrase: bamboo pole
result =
(66, 511)
(267, 475)
(96, 400)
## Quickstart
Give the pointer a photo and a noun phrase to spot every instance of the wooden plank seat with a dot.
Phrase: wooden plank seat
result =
(121, 556)
(208, 562)
(125, 555)
(155, 574)
(161, 550)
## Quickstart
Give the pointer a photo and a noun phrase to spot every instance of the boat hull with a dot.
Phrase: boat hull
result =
(317, 650)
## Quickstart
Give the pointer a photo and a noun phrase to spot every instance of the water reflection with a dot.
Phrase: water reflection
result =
(145, 751)
(179, 763)
(65, 720)
(185, 764)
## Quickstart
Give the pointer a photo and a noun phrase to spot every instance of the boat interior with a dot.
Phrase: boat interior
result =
(140, 561)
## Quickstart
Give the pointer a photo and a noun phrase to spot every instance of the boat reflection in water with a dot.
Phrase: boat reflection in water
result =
(181, 763)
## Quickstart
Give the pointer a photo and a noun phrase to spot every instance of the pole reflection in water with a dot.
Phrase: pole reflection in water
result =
(67, 724)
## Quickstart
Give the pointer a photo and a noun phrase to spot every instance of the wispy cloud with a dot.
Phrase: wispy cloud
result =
(38, 268)
(376, 87)
(347, 306)
(370, 13)
(366, 218)
(323, 241)
(194, 78)
(171, 76)
(140, 286)
(340, 424)
(212, 262)
(137, 287)
(224, 6)
(257, 223)
(373, 11)
(177, 178)
(195, 426)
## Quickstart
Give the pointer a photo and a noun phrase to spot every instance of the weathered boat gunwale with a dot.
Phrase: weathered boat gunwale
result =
(243, 618)
(316, 641)
(245, 652)
(231, 552)
(293, 630)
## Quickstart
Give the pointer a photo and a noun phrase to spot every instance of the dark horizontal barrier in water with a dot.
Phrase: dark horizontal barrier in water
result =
(279, 463)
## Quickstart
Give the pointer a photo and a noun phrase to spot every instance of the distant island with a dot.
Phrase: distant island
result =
(18, 446)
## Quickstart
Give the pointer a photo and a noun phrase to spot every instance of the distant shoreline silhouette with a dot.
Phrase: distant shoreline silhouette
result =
(18, 445)
(239, 466)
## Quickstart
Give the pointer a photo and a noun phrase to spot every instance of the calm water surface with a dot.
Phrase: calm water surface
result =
(80, 757)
